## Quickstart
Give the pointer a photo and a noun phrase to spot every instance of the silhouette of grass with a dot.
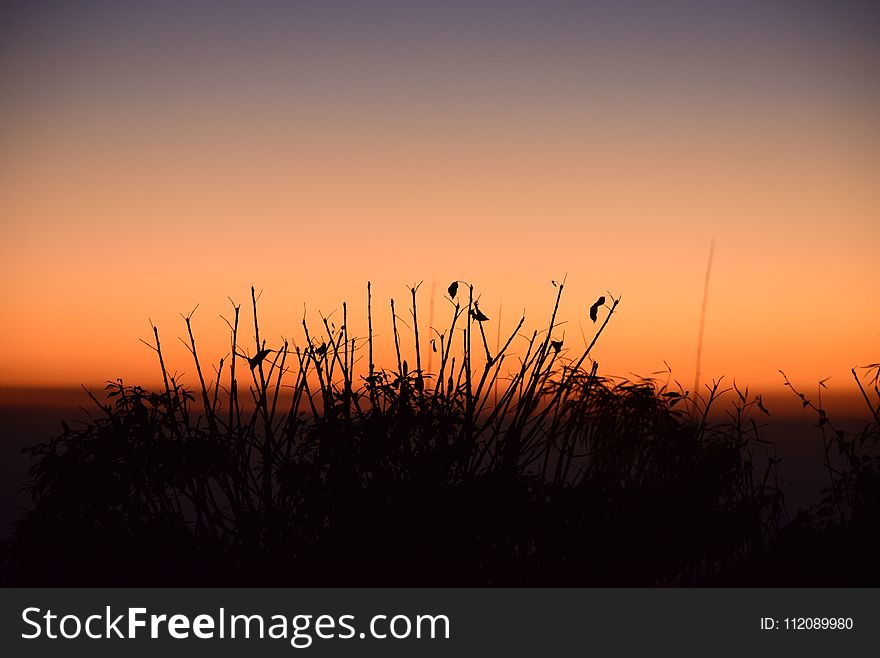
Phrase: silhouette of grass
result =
(498, 469)
(836, 541)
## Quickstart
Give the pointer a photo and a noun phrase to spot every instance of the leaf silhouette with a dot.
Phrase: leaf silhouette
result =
(452, 289)
(594, 309)
(256, 359)
(478, 315)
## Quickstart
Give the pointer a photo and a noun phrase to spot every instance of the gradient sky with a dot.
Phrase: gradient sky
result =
(156, 155)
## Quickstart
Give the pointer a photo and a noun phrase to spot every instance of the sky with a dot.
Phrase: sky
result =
(155, 156)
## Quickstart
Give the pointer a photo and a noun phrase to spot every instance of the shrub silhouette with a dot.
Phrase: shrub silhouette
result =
(496, 470)
(836, 541)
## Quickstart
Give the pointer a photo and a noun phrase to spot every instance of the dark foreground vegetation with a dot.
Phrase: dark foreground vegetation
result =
(514, 466)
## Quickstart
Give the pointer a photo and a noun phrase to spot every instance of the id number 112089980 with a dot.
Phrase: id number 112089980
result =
(807, 624)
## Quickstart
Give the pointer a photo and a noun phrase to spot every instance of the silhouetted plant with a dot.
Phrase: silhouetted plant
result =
(836, 541)
(540, 472)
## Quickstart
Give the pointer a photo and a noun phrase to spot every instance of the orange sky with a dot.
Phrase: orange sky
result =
(147, 166)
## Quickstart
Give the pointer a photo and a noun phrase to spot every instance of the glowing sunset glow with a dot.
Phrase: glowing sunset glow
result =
(155, 160)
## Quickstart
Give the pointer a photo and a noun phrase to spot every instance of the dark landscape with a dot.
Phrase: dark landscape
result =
(520, 464)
